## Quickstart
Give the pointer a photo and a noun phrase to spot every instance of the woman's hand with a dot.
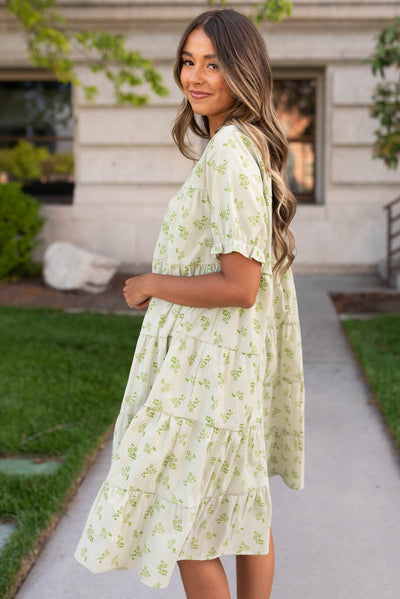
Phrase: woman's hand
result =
(135, 293)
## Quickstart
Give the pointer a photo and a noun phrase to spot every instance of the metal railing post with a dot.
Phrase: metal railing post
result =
(391, 235)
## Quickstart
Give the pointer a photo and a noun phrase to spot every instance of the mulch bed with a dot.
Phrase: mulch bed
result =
(34, 293)
(367, 303)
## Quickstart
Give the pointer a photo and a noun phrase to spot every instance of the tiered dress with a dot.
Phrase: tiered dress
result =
(214, 403)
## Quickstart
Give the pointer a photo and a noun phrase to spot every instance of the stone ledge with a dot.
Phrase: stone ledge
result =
(126, 13)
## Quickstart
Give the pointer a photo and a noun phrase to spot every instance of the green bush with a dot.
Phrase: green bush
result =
(5, 161)
(26, 160)
(20, 222)
(63, 163)
(58, 164)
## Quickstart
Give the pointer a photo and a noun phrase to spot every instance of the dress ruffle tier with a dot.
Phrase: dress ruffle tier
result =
(190, 461)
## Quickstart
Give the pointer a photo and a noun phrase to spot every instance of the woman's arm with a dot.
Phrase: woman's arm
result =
(236, 284)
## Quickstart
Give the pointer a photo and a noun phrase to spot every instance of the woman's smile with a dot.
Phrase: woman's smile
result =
(196, 95)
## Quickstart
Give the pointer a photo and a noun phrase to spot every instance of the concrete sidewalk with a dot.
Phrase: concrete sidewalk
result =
(338, 538)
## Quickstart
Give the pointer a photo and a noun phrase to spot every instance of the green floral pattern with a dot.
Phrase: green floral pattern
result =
(214, 402)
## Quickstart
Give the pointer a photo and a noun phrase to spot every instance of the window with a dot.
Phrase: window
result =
(295, 99)
(36, 138)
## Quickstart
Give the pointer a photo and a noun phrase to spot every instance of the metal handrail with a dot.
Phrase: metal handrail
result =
(391, 251)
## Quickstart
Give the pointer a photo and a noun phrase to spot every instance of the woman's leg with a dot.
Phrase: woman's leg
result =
(204, 579)
(255, 574)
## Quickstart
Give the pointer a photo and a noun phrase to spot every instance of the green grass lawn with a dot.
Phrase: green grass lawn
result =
(65, 374)
(376, 343)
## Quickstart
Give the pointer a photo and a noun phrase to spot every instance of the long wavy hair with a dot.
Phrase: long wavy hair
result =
(245, 67)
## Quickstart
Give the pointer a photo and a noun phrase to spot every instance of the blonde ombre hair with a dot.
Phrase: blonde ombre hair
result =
(244, 64)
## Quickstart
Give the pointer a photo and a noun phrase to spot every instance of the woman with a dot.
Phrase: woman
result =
(214, 401)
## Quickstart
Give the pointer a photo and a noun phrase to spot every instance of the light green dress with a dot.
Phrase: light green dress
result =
(215, 397)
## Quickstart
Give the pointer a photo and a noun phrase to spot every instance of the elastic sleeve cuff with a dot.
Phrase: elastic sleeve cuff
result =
(248, 250)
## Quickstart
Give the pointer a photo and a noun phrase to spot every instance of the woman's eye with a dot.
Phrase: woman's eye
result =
(213, 66)
(186, 62)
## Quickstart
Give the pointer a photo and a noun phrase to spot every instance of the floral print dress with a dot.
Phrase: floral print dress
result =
(214, 403)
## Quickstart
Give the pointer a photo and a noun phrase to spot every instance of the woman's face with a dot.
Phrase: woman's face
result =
(202, 81)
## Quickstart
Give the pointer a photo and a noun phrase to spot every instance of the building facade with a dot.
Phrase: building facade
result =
(127, 166)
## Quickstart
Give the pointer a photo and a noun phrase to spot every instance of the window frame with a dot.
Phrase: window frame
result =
(280, 72)
(27, 74)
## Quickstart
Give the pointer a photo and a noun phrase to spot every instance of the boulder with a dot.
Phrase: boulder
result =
(67, 267)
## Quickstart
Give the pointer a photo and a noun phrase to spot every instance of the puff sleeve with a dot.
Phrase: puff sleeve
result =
(239, 192)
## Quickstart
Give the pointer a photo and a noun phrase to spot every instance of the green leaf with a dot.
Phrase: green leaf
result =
(386, 95)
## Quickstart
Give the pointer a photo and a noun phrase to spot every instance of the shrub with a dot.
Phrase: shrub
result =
(26, 160)
(58, 165)
(5, 161)
(64, 163)
(20, 222)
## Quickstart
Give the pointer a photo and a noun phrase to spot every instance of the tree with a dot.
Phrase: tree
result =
(51, 46)
(386, 96)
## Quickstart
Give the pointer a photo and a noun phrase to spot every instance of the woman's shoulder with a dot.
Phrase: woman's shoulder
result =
(230, 132)
(229, 139)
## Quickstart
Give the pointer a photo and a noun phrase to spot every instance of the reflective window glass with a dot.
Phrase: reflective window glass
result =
(295, 103)
(36, 138)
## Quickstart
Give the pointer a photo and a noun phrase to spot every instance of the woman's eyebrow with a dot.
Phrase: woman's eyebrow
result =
(205, 55)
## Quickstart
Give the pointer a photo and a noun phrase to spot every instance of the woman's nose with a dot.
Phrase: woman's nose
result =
(196, 74)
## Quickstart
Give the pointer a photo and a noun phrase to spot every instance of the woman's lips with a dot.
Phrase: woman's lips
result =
(199, 95)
